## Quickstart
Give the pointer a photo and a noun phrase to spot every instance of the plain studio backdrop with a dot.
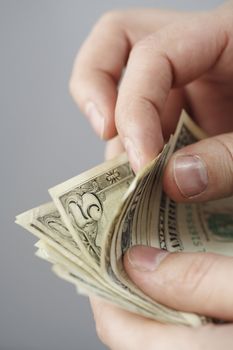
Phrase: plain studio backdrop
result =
(45, 140)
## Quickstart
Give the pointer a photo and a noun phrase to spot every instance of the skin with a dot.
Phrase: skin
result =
(171, 61)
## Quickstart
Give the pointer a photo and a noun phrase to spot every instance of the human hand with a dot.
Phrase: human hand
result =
(173, 61)
(198, 282)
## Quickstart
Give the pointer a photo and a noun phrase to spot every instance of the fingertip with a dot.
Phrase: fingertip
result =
(140, 147)
(201, 171)
(95, 94)
(96, 118)
(101, 120)
(185, 177)
(139, 127)
(140, 259)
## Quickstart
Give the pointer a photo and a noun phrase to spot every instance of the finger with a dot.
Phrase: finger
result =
(114, 325)
(197, 282)
(96, 73)
(170, 58)
(202, 171)
(171, 112)
(121, 330)
(98, 66)
(114, 148)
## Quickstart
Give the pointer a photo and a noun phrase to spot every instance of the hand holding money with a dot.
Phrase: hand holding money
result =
(174, 62)
(93, 231)
(97, 216)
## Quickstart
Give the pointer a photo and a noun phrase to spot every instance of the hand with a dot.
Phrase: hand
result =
(198, 282)
(174, 61)
(201, 283)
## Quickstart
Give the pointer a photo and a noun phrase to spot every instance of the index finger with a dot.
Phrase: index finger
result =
(169, 59)
(99, 64)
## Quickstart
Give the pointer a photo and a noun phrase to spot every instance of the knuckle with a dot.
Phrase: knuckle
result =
(145, 44)
(110, 18)
(145, 52)
(151, 43)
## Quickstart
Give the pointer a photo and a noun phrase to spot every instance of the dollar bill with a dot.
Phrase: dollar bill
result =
(96, 216)
(57, 246)
(149, 217)
(86, 284)
(88, 202)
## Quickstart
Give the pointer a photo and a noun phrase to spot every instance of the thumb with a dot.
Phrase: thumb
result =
(193, 282)
(201, 171)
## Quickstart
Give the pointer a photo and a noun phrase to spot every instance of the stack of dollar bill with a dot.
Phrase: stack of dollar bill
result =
(95, 217)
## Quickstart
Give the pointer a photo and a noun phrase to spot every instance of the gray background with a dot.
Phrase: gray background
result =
(43, 141)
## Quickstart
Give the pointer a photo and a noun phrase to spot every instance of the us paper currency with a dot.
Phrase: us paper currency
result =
(96, 216)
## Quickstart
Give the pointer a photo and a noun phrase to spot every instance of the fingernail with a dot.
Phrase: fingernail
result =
(190, 175)
(133, 154)
(146, 259)
(96, 118)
